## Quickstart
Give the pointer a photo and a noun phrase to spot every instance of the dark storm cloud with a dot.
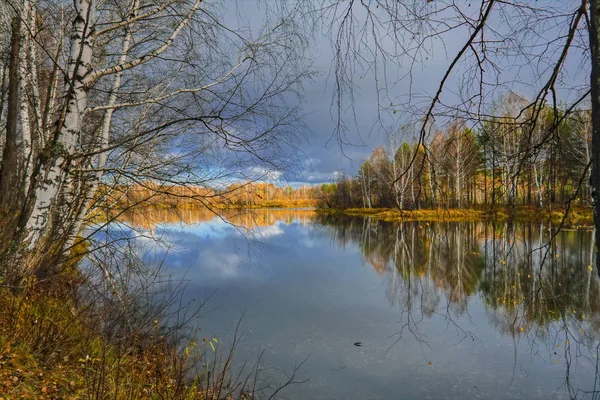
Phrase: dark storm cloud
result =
(365, 122)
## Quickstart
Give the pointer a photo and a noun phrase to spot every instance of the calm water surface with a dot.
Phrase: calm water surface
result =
(441, 310)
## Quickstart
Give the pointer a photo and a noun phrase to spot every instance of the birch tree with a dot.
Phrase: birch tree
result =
(461, 161)
(401, 179)
(96, 93)
(365, 176)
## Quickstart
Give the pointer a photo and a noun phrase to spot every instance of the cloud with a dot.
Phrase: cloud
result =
(407, 87)
(264, 174)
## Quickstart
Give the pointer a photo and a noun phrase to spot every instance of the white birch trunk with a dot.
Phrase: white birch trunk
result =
(52, 175)
(538, 185)
(402, 197)
(364, 191)
(412, 184)
(457, 171)
(431, 189)
(395, 172)
(33, 74)
(104, 131)
(24, 68)
(369, 191)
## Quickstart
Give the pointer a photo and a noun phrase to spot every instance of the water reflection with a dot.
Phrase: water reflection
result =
(524, 277)
(536, 284)
(249, 219)
(445, 310)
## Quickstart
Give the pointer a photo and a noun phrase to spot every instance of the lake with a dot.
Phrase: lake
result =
(383, 310)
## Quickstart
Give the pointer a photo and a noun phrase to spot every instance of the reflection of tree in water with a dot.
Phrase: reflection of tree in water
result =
(542, 293)
(149, 218)
(513, 268)
(418, 259)
(530, 283)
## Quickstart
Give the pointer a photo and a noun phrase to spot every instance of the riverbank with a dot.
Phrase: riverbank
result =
(575, 217)
(57, 344)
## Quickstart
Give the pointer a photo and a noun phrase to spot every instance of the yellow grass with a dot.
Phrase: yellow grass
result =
(576, 216)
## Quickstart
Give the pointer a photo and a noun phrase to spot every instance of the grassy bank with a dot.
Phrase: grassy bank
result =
(53, 345)
(575, 216)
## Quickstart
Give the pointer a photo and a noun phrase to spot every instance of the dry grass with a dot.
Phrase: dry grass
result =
(54, 345)
(50, 349)
(575, 216)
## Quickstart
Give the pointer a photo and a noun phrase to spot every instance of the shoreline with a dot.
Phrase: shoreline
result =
(219, 206)
(578, 216)
(581, 217)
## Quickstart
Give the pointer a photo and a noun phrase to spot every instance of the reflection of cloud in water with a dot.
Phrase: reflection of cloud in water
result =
(223, 265)
(154, 242)
(214, 252)
(159, 244)
(214, 229)
(263, 232)
(218, 229)
(214, 263)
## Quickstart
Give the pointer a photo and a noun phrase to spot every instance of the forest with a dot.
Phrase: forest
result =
(500, 161)
(249, 194)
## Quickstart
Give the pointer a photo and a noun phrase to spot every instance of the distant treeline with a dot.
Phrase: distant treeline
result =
(238, 195)
(510, 160)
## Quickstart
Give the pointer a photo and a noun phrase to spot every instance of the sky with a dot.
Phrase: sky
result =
(324, 156)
